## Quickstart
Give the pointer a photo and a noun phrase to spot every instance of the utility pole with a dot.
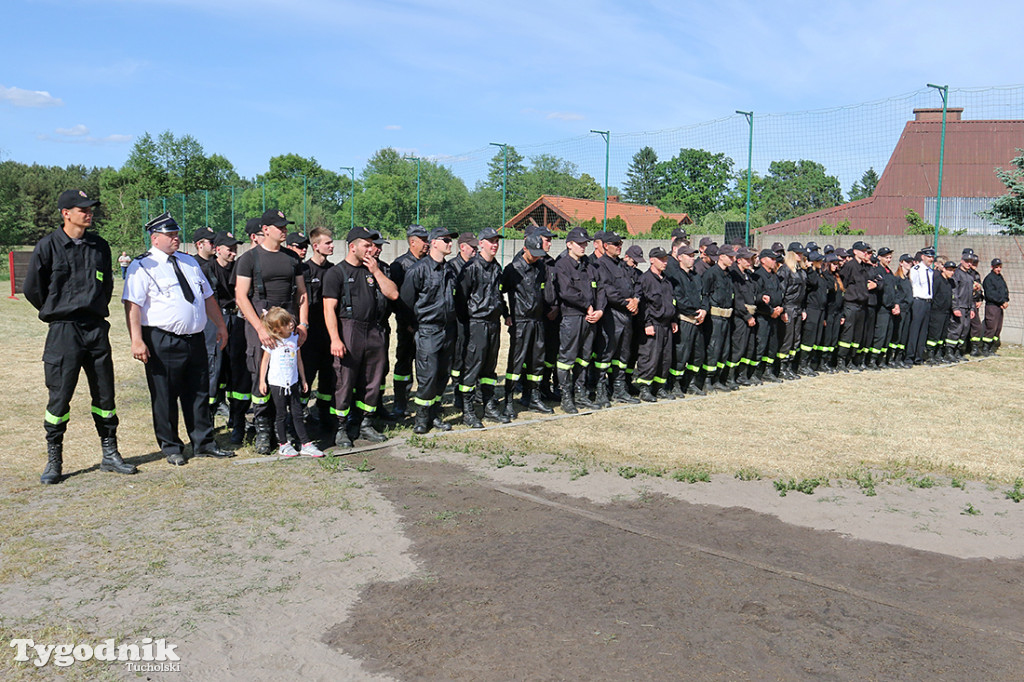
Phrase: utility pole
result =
(352, 198)
(417, 160)
(504, 190)
(750, 156)
(944, 91)
(607, 148)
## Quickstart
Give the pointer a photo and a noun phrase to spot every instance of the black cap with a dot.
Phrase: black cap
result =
(996, 262)
(828, 249)
(225, 239)
(949, 265)
(468, 238)
(274, 217)
(686, 249)
(811, 246)
(296, 239)
(842, 253)
(377, 239)
(815, 256)
(906, 258)
(577, 234)
(162, 223)
(599, 236)
(884, 251)
(680, 232)
(657, 252)
(441, 233)
(711, 250)
(744, 252)
(253, 226)
(636, 253)
(727, 250)
(541, 230)
(928, 251)
(358, 233)
(768, 253)
(75, 198)
(489, 233)
(611, 238)
(416, 231)
(705, 241)
(534, 243)
(795, 246)
(203, 233)
(831, 258)
(968, 251)
(861, 246)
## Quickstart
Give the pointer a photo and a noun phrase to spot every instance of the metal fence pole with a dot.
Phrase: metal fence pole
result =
(504, 191)
(352, 196)
(944, 91)
(607, 149)
(750, 160)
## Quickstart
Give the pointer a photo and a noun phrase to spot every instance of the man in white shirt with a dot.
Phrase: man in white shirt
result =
(167, 301)
(921, 276)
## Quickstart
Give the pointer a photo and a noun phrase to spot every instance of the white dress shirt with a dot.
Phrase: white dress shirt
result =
(921, 281)
(152, 284)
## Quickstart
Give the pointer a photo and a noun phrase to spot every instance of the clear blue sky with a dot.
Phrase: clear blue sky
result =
(337, 80)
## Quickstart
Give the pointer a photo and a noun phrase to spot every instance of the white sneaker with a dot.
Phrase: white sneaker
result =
(311, 450)
(287, 450)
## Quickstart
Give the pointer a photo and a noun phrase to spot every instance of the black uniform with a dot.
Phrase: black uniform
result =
(359, 374)
(461, 329)
(659, 311)
(617, 322)
(405, 334)
(70, 283)
(794, 284)
(996, 294)
(688, 342)
(817, 302)
(478, 292)
(524, 285)
(959, 327)
(743, 309)
(901, 322)
(428, 291)
(885, 295)
(769, 329)
(234, 372)
(316, 351)
(941, 311)
(855, 301)
(717, 301)
(577, 290)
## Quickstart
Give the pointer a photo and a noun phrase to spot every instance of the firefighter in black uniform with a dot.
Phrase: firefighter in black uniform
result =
(316, 352)
(428, 291)
(941, 312)
(351, 314)
(744, 321)
(384, 308)
(582, 305)
(901, 322)
(523, 282)
(633, 257)
(997, 299)
(963, 308)
(659, 313)
(266, 276)
(405, 323)
(220, 272)
(856, 276)
(688, 341)
(816, 304)
(467, 249)
(717, 301)
(885, 290)
(552, 317)
(478, 293)
(977, 326)
(617, 322)
(770, 327)
(69, 281)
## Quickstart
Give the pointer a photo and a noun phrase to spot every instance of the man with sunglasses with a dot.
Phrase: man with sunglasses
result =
(267, 276)
(70, 281)
(428, 291)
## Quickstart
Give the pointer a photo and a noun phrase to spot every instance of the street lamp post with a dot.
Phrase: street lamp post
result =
(352, 198)
(944, 91)
(750, 155)
(607, 148)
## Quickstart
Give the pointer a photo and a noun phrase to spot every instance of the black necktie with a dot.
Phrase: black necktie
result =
(186, 288)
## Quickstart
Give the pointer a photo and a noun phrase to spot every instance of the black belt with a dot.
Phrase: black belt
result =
(177, 336)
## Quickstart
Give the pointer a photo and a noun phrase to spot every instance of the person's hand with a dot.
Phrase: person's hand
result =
(649, 330)
(896, 309)
(594, 316)
(701, 314)
(803, 315)
(633, 305)
(956, 313)
(371, 264)
(305, 386)
(303, 333)
(338, 349)
(263, 387)
(767, 299)
(785, 317)
(872, 284)
(266, 340)
(842, 321)
(675, 327)
(222, 337)
(508, 321)
(140, 352)
(1005, 305)
(751, 322)
(552, 314)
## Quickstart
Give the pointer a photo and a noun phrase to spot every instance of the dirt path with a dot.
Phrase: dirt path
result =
(518, 583)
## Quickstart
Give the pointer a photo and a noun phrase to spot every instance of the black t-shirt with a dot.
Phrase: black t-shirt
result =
(362, 289)
(278, 268)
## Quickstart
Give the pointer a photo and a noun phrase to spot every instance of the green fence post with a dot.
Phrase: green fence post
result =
(750, 156)
(944, 91)
(232, 209)
(504, 190)
(352, 197)
(607, 148)
(417, 159)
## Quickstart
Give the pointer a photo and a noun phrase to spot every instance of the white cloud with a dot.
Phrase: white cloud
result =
(29, 98)
(74, 131)
(392, 127)
(564, 116)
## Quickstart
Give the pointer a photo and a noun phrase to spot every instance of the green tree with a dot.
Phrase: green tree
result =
(795, 188)
(1008, 210)
(695, 181)
(865, 187)
(917, 225)
(642, 181)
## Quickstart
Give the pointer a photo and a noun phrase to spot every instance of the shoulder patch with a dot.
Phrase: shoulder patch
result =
(141, 256)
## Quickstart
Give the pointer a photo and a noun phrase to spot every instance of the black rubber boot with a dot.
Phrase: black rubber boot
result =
(754, 374)
(534, 401)
(729, 379)
(341, 437)
(422, 423)
(237, 419)
(261, 444)
(54, 471)
(401, 402)
(469, 417)
(438, 423)
(112, 460)
(581, 393)
(698, 381)
(619, 391)
(646, 394)
(601, 395)
(802, 364)
(368, 432)
(492, 409)
(565, 383)
(675, 388)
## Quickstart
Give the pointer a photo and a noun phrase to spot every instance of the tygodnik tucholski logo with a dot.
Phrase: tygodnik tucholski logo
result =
(148, 655)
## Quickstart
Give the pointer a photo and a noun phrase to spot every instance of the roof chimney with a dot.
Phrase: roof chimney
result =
(952, 114)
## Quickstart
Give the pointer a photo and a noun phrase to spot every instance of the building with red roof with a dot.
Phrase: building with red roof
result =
(559, 213)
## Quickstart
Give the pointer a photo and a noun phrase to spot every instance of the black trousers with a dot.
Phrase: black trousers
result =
(617, 332)
(993, 323)
(405, 353)
(72, 347)
(882, 335)
(288, 403)
(868, 330)
(177, 371)
(920, 314)
(853, 329)
(552, 335)
(526, 351)
(790, 343)
(576, 343)
(766, 339)
(655, 356)
(718, 343)
(938, 321)
(742, 342)
(459, 356)
(813, 333)
(689, 348)
(318, 364)
(958, 328)
(358, 375)
(900, 330)
(483, 337)
(833, 326)
(434, 347)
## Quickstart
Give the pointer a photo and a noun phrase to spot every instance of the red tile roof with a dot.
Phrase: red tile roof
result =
(974, 149)
(556, 212)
